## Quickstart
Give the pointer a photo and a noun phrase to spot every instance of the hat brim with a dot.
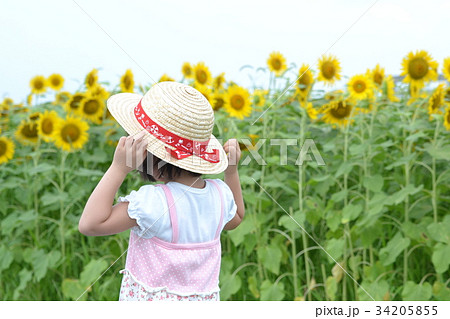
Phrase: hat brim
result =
(121, 106)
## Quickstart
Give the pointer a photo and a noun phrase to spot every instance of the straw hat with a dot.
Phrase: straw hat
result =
(179, 121)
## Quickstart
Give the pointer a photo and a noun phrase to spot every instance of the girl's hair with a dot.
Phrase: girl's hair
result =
(166, 170)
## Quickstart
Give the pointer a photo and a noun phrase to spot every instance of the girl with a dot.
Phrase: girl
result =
(174, 251)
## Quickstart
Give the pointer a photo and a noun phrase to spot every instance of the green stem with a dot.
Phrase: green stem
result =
(294, 260)
(62, 211)
(433, 175)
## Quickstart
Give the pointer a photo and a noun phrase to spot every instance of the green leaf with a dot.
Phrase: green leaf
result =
(414, 292)
(440, 231)
(89, 172)
(253, 287)
(41, 168)
(441, 292)
(437, 151)
(287, 222)
(331, 288)
(72, 289)
(373, 183)
(377, 290)
(339, 196)
(395, 247)
(272, 292)
(270, 257)
(230, 285)
(400, 196)
(345, 168)
(335, 248)
(350, 212)
(441, 257)
(6, 259)
(50, 198)
(401, 161)
(237, 235)
(334, 219)
(92, 271)
(25, 276)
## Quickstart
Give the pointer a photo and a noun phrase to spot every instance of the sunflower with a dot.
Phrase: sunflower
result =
(166, 78)
(333, 95)
(276, 63)
(305, 81)
(238, 102)
(419, 68)
(71, 133)
(218, 100)
(8, 101)
(206, 91)
(259, 98)
(34, 117)
(62, 97)
(91, 78)
(29, 99)
(99, 91)
(252, 138)
(337, 112)
(447, 118)
(91, 108)
(55, 81)
(390, 89)
(73, 104)
(6, 149)
(447, 94)
(436, 100)
(127, 82)
(329, 69)
(310, 110)
(376, 75)
(27, 132)
(446, 68)
(38, 84)
(415, 92)
(219, 81)
(186, 70)
(360, 87)
(202, 75)
(46, 125)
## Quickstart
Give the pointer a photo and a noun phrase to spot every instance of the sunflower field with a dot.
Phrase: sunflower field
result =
(372, 223)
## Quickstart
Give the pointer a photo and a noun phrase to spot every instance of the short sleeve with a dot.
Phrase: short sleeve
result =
(230, 204)
(145, 206)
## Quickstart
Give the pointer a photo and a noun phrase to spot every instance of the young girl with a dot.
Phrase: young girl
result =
(174, 251)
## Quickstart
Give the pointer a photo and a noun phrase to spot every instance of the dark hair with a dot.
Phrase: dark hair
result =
(167, 170)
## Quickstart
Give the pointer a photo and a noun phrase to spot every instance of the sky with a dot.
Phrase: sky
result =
(155, 37)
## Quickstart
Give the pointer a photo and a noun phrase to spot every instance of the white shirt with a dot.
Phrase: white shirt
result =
(198, 211)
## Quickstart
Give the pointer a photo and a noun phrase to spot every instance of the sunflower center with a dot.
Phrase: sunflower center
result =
(30, 130)
(378, 78)
(359, 86)
(75, 102)
(341, 111)
(201, 76)
(38, 84)
(237, 102)
(218, 103)
(3, 148)
(127, 82)
(418, 68)
(187, 71)
(47, 126)
(91, 107)
(56, 81)
(276, 64)
(304, 81)
(328, 70)
(70, 133)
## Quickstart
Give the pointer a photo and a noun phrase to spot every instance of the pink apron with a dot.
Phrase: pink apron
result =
(159, 270)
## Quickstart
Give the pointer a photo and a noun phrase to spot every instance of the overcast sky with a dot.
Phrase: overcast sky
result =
(156, 37)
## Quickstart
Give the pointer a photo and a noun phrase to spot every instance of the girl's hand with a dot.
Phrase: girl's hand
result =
(130, 153)
(233, 151)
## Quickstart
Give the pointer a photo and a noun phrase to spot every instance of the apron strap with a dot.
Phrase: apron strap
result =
(219, 228)
(172, 211)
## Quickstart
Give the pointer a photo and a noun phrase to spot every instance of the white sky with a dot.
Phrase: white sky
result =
(47, 36)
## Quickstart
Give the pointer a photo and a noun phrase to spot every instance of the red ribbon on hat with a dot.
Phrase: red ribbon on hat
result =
(183, 147)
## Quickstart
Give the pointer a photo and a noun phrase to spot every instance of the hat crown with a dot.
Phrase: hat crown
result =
(180, 109)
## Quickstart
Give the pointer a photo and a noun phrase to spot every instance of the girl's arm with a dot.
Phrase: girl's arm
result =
(99, 217)
(232, 180)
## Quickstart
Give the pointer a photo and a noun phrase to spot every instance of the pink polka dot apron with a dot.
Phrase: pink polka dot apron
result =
(159, 270)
